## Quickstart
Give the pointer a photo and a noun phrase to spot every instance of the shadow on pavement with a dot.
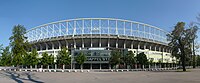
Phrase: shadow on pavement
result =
(19, 77)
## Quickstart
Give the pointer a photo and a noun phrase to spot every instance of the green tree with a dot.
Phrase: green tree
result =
(50, 59)
(180, 42)
(63, 57)
(160, 62)
(198, 60)
(34, 57)
(150, 61)
(6, 57)
(193, 36)
(31, 58)
(18, 44)
(44, 60)
(115, 58)
(1, 48)
(27, 60)
(129, 59)
(80, 59)
(142, 59)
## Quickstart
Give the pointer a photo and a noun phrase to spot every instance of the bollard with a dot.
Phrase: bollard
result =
(81, 70)
(75, 70)
(111, 70)
(88, 70)
(116, 70)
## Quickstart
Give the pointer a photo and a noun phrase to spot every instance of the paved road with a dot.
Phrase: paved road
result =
(102, 77)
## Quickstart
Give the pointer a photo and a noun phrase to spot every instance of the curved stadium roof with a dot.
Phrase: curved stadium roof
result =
(93, 26)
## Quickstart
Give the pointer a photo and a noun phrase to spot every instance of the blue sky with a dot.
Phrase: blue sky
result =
(30, 13)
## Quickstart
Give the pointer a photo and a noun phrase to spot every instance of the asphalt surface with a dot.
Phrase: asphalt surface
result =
(193, 76)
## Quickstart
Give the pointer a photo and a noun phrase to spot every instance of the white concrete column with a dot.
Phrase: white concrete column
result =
(100, 66)
(100, 42)
(55, 66)
(90, 66)
(138, 48)
(35, 66)
(108, 43)
(117, 43)
(132, 45)
(91, 45)
(67, 45)
(73, 65)
(53, 49)
(46, 46)
(144, 46)
(63, 66)
(83, 45)
(59, 44)
(159, 49)
(150, 47)
(163, 50)
(52, 46)
(74, 43)
(124, 44)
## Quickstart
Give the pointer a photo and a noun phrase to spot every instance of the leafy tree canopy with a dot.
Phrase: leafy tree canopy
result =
(130, 58)
(81, 58)
(142, 58)
(63, 57)
(180, 42)
(6, 57)
(31, 58)
(47, 59)
(18, 44)
(115, 57)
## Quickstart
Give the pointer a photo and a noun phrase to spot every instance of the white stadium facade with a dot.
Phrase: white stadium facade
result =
(97, 37)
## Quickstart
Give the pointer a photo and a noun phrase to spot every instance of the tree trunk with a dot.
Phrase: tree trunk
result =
(63, 67)
(142, 66)
(81, 66)
(194, 56)
(182, 54)
(183, 61)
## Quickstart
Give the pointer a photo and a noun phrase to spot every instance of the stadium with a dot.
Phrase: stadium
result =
(97, 37)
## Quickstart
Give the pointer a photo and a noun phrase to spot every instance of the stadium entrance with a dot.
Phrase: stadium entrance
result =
(97, 58)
